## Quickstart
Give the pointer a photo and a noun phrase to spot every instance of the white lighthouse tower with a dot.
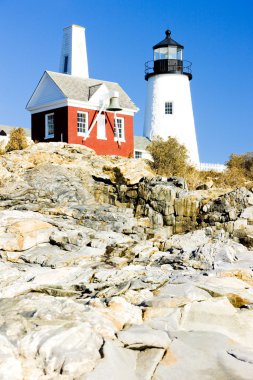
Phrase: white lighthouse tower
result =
(168, 105)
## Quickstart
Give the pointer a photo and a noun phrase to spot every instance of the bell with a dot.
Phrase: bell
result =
(114, 104)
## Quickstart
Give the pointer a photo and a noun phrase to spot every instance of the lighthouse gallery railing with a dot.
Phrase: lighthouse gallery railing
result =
(163, 66)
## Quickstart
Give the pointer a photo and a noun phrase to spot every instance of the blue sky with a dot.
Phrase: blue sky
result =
(218, 39)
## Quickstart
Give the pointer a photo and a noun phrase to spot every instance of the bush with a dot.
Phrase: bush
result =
(239, 172)
(17, 140)
(169, 157)
(227, 179)
(242, 163)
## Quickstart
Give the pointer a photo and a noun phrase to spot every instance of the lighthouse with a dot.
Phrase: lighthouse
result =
(169, 110)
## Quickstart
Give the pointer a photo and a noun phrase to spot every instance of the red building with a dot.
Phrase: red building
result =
(70, 107)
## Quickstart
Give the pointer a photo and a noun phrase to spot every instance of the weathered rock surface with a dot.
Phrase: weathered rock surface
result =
(107, 272)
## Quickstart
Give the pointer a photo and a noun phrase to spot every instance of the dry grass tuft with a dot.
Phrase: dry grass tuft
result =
(17, 140)
(170, 159)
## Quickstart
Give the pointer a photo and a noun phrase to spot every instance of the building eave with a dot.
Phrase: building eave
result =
(73, 103)
(47, 106)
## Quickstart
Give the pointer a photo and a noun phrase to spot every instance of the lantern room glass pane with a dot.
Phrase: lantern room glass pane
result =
(156, 54)
(172, 53)
(161, 53)
(164, 53)
(180, 54)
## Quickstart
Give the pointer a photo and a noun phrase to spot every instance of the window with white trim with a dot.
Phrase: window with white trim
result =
(49, 125)
(168, 108)
(137, 154)
(120, 131)
(82, 123)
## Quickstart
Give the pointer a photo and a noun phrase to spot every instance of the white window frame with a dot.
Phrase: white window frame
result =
(172, 108)
(47, 135)
(138, 153)
(122, 138)
(86, 123)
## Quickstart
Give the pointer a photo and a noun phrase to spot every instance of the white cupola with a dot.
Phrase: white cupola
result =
(74, 54)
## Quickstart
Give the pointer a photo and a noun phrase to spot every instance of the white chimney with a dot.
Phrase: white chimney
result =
(74, 54)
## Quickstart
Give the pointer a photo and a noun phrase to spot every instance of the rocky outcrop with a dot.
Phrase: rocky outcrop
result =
(166, 202)
(100, 280)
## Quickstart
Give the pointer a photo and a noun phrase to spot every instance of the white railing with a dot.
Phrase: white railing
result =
(208, 167)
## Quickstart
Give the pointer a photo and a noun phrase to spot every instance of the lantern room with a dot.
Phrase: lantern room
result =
(168, 49)
(167, 59)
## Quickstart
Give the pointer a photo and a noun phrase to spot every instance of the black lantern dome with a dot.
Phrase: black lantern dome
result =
(168, 41)
(168, 59)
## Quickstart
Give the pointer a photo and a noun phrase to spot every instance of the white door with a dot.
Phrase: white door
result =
(101, 135)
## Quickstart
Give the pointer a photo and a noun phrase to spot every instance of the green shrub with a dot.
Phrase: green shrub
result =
(169, 157)
(17, 140)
